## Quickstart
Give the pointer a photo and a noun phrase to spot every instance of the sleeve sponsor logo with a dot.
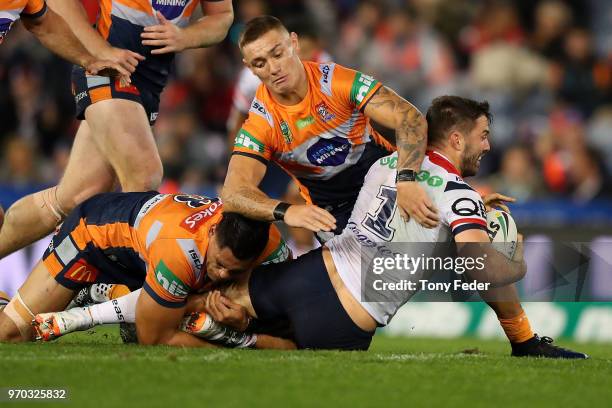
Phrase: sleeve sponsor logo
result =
(466, 207)
(194, 221)
(280, 254)
(193, 256)
(389, 161)
(170, 282)
(258, 108)
(361, 86)
(327, 74)
(248, 141)
(329, 152)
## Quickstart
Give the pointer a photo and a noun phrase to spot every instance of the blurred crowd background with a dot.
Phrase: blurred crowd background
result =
(544, 66)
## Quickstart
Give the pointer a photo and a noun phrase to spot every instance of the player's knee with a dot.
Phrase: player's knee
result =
(146, 179)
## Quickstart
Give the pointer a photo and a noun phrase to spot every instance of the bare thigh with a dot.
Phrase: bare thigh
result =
(122, 133)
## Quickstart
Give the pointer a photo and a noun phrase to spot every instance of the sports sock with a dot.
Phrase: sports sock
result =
(117, 291)
(122, 309)
(517, 328)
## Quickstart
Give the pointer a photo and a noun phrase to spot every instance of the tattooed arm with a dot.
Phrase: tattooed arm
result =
(390, 110)
(241, 194)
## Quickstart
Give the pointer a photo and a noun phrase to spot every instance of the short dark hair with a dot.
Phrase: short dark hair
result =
(246, 238)
(448, 113)
(257, 27)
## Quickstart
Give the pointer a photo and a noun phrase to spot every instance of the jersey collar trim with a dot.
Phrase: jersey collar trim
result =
(442, 161)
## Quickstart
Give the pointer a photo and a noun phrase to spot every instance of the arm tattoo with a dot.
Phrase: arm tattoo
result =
(410, 132)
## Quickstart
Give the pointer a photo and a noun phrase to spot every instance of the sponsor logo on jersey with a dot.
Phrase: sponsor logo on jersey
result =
(327, 73)
(5, 27)
(83, 272)
(194, 221)
(361, 86)
(304, 122)
(80, 96)
(466, 207)
(171, 9)
(146, 207)
(129, 88)
(169, 281)
(329, 152)
(191, 252)
(286, 132)
(390, 161)
(281, 254)
(153, 116)
(248, 141)
(258, 108)
(323, 112)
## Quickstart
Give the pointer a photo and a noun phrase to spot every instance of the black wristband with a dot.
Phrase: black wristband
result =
(405, 175)
(280, 210)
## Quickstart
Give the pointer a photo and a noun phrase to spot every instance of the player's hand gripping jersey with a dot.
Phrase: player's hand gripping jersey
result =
(325, 141)
(150, 240)
(375, 222)
(11, 10)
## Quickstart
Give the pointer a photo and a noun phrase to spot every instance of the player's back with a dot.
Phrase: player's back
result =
(376, 226)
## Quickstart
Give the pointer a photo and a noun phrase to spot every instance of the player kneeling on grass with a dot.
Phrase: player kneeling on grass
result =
(321, 293)
(169, 245)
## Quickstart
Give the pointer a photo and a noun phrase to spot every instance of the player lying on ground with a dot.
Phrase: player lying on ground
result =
(170, 245)
(319, 292)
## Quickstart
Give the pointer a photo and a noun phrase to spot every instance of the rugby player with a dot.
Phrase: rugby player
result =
(170, 245)
(313, 120)
(320, 293)
(115, 141)
(53, 32)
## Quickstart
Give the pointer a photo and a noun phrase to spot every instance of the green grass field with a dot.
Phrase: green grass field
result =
(98, 371)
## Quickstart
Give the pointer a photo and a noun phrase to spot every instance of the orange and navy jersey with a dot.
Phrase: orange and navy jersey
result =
(11, 10)
(121, 22)
(157, 241)
(325, 141)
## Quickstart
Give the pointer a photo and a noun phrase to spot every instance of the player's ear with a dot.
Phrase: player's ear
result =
(456, 140)
(295, 42)
(211, 231)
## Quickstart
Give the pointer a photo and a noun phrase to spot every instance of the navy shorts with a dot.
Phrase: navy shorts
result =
(88, 89)
(300, 291)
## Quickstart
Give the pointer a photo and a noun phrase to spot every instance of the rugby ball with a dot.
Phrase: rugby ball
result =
(502, 231)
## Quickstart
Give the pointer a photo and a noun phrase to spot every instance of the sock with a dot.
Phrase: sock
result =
(117, 291)
(122, 309)
(517, 328)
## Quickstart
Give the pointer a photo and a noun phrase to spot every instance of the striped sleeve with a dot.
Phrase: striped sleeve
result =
(34, 9)
(255, 138)
(463, 208)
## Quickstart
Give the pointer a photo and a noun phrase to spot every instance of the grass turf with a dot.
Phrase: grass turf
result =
(98, 371)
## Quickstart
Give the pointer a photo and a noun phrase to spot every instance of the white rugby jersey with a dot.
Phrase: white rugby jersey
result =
(376, 221)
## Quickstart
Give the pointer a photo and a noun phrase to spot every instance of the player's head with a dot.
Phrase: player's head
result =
(235, 243)
(460, 128)
(271, 53)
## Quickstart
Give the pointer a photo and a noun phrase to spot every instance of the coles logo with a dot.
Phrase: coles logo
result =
(82, 272)
(193, 222)
(171, 9)
(329, 152)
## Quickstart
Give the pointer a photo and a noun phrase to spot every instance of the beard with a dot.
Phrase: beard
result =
(470, 164)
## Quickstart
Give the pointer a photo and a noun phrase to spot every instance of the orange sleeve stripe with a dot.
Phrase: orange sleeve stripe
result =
(100, 94)
(53, 265)
(33, 7)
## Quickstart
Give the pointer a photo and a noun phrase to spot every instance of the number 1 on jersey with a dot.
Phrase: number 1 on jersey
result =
(378, 223)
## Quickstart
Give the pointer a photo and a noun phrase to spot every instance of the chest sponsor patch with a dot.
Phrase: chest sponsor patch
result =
(171, 9)
(329, 152)
(194, 221)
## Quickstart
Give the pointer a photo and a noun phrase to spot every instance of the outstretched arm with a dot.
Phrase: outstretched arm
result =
(241, 194)
(392, 111)
(208, 30)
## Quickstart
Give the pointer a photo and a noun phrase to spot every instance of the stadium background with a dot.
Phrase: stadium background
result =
(545, 67)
